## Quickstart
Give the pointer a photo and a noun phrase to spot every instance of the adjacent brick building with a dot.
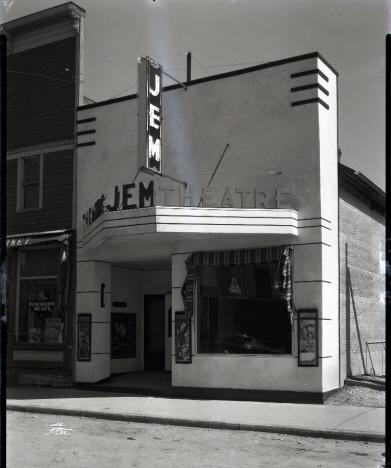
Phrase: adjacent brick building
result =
(362, 274)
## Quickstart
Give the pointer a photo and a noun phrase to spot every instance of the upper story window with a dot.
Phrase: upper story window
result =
(30, 183)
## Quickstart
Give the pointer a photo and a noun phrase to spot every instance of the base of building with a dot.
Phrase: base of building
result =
(39, 380)
(200, 393)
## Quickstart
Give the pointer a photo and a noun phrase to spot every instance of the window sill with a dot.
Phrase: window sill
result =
(39, 346)
(28, 210)
(244, 355)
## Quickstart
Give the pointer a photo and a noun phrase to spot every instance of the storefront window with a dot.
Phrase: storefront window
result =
(240, 313)
(41, 317)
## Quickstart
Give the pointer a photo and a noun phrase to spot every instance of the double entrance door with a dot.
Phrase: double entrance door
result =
(154, 332)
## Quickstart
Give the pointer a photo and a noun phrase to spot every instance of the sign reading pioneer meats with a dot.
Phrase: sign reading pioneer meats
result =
(150, 115)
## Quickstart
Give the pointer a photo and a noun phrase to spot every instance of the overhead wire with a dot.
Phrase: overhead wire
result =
(124, 91)
(169, 55)
(42, 76)
(218, 66)
(200, 65)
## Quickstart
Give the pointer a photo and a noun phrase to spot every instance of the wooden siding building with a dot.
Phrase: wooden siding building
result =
(44, 87)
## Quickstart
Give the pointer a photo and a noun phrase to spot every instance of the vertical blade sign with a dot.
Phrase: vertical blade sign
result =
(150, 115)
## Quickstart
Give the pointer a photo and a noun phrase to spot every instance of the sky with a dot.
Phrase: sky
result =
(225, 35)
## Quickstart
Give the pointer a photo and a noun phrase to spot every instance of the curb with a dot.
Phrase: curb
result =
(365, 383)
(304, 432)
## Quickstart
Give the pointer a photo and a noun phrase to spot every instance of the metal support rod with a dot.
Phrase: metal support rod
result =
(173, 178)
(175, 80)
(218, 164)
(153, 173)
(188, 78)
(214, 172)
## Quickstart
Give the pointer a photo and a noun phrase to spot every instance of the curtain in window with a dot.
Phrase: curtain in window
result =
(281, 254)
(283, 283)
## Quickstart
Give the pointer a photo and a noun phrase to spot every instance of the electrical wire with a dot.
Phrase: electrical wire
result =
(42, 76)
(169, 55)
(122, 92)
(194, 68)
(200, 65)
(217, 66)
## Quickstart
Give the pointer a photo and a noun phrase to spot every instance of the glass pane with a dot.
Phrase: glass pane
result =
(239, 312)
(31, 170)
(42, 262)
(31, 196)
(41, 320)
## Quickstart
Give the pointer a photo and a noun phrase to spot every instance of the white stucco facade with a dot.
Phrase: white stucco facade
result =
(281, 171)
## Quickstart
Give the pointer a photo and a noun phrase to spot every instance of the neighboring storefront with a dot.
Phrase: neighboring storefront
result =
(40, 292)
(207, 230)
(44, 67)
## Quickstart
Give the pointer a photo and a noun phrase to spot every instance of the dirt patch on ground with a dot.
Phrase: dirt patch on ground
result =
(47, 441)
(358, 396)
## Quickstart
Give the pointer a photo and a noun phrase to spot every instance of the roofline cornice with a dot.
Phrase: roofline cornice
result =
(44, 16)
(220, 76)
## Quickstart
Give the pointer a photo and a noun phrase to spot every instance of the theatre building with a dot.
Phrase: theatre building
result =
(208, 232)
(201, 211)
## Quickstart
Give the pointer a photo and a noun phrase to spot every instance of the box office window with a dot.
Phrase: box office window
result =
(239, 312)
(42, 283)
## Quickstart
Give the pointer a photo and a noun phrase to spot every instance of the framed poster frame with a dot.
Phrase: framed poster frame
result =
(307, 338)
(182, 338)
(84, 334)
(123, 335)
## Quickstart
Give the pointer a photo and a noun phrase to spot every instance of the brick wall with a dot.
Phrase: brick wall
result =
(362, 286)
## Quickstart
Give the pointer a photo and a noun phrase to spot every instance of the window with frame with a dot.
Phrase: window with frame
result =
(41, 315)
(30, 187)
(239, 312)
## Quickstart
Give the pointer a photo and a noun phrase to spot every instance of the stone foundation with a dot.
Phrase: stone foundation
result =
(55, 381)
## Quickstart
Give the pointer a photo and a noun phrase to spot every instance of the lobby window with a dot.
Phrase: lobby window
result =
(42, 285)
(239, 312)
(30, 183)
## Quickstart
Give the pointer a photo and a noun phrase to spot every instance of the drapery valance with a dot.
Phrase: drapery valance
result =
(282, 254)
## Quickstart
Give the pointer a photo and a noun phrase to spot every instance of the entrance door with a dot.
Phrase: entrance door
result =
(154, 336)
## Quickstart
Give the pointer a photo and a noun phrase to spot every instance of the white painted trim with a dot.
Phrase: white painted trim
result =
(185, 220)
(45, 148)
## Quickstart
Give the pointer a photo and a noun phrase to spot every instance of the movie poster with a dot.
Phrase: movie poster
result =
(182, 339)
(84, 337)
(308, 337)
(123, 335)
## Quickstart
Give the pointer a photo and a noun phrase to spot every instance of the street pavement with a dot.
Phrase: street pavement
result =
(334, 422)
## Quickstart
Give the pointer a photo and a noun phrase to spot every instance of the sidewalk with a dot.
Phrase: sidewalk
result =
(335, 422)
